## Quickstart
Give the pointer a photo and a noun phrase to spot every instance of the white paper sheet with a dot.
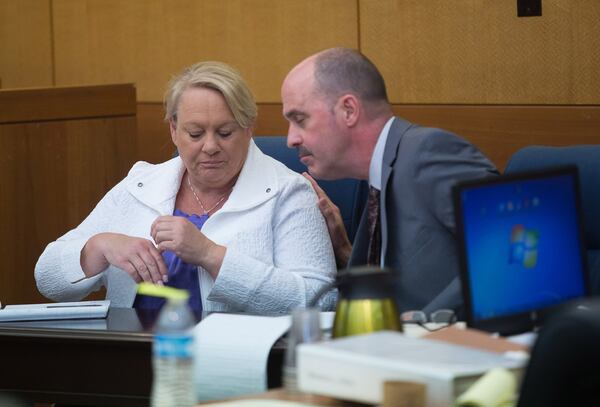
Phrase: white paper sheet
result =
(59, 310)
(526, 339)
(231, 353)
(326, 320)
(262, 403)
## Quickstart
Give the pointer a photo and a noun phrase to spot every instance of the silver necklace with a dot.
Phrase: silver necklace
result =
(206, 212)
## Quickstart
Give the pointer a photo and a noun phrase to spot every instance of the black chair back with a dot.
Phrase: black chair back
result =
(563, 369)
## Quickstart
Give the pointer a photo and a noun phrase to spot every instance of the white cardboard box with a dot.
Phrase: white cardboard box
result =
(355, 367)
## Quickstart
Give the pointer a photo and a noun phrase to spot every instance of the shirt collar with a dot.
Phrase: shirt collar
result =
(377, 157)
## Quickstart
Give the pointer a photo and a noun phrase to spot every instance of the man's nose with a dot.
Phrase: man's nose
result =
(293, 137)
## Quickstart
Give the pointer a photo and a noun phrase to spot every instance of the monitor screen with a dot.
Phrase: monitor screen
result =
(521, 239)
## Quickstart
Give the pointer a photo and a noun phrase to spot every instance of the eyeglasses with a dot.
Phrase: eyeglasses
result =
(442, 318)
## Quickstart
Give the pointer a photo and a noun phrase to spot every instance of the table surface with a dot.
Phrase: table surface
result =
(103, 362)
(98, 362)
(91, 362)
(283, 394)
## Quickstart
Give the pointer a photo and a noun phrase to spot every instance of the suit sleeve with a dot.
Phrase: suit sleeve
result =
(443, 160)
(446, 159)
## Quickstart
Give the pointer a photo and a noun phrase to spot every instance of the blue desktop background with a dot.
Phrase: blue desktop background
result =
(500, 283)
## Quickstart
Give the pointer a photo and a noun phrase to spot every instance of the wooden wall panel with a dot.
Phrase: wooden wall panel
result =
(475, 51)
(270, 120)
(154, 141)
(52, 174)
(147, 41)
(61, 103)
(498, 130)
(25, 43)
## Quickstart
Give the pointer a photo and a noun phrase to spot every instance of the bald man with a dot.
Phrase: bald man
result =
(343, 126)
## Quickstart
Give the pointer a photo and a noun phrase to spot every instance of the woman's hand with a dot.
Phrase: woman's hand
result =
(182, 237)
(335, 224)
(136, 256)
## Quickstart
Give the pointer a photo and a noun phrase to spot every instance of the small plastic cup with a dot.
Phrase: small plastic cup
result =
(305, 328)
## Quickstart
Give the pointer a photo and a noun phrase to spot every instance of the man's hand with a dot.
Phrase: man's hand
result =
(335, 224)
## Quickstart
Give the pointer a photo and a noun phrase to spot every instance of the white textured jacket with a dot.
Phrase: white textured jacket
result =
(278, 249)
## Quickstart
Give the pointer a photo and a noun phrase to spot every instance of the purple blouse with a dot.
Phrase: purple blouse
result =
(181, 274)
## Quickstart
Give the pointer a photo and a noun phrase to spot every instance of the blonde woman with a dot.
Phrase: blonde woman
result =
(237, 228)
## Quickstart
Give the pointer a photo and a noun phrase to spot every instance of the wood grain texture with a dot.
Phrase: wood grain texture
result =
(154, 141)
(475, 51)
(25, 43)
(153, 138)
(471, 51)
(498, 130)
(270, 120)
(501, 130)
(61, 103)
(52, 174)
(148, 41)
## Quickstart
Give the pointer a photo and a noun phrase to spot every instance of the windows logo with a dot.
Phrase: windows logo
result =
(524, 246)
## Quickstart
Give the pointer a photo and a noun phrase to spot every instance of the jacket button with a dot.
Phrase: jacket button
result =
(268, 190)
(140, 184)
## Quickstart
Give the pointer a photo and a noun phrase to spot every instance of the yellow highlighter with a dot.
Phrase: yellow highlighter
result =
(162, 291)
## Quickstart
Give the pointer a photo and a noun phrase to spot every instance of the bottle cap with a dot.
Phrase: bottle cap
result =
(169, 293)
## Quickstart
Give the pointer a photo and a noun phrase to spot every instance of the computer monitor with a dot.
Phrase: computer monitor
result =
(521, 247)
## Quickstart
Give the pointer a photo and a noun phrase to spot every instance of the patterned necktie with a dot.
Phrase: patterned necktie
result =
(374, 250)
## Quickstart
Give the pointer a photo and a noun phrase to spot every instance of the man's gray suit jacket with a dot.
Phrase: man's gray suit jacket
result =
(420, 166)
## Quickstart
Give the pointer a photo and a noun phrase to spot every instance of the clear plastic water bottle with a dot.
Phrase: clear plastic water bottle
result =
(173, 355)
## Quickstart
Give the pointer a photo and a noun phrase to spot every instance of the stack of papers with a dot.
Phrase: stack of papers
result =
(355, 367)
(59, 310)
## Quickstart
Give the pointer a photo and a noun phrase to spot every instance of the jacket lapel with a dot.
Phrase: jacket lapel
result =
(157, 186)
(397, 130)
(257, 182)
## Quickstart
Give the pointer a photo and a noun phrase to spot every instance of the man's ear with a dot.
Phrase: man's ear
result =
(173, 129)
(350, 109)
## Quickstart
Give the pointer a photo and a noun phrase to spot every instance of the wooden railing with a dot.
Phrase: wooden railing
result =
(61, 150)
